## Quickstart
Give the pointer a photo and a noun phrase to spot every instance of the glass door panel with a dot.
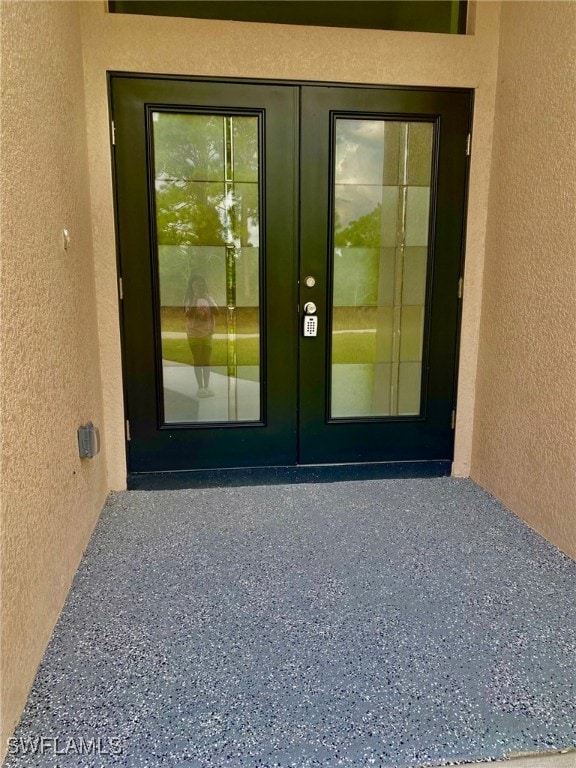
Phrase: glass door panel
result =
(380, 225)
(207, 208)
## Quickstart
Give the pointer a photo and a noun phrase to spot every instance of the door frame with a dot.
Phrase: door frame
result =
(215, 81)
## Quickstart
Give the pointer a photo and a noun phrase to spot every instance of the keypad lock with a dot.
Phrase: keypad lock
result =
(310, 319)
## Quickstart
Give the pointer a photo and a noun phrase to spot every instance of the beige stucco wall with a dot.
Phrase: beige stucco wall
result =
(229, 49)
(50, 369)
(525, 428)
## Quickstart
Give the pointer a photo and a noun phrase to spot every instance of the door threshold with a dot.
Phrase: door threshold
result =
(286, 475)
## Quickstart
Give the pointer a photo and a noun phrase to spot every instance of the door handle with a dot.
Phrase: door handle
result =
(310, 323)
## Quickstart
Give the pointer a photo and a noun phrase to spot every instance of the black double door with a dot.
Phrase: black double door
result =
(290, 258)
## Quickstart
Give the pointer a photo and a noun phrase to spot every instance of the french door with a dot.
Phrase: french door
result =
(290, 258)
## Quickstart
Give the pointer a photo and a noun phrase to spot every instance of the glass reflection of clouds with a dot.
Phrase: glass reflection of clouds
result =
(360, 152)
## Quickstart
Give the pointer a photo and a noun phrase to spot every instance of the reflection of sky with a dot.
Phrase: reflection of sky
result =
(359, 162)
(359, 151)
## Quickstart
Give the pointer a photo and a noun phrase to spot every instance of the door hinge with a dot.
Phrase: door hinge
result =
(128, 437)
(453, 420)
(113, 132)
(468, 144)
(460, 287)
(120, 289)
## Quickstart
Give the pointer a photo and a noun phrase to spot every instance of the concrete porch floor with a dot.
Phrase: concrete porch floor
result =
(379, 623)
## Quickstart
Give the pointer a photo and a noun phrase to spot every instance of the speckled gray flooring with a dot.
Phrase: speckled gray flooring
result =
(376, 623)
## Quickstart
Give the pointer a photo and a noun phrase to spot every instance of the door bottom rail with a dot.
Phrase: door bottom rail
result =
(286, 475)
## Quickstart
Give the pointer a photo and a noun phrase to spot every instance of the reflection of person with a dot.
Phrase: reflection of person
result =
(200, 310)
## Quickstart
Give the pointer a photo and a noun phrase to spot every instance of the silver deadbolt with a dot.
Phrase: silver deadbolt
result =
(309, 308)
(310, 281)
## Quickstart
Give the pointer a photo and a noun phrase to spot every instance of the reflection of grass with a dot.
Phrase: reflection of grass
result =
(247, 351)
(247, 321)
(354, 348)
(344, 318)
(348, 347)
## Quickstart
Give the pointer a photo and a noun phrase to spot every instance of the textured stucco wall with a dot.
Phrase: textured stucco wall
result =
(525, 426)
(231, 49)
(50, 373)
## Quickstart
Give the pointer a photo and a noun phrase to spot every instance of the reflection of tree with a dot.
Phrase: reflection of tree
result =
(198, 200)
(363, 232)
(187, 215)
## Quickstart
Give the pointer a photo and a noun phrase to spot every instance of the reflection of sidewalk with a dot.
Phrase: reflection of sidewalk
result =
(234, 399)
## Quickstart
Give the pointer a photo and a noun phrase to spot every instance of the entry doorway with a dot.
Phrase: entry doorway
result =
(290, 258)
